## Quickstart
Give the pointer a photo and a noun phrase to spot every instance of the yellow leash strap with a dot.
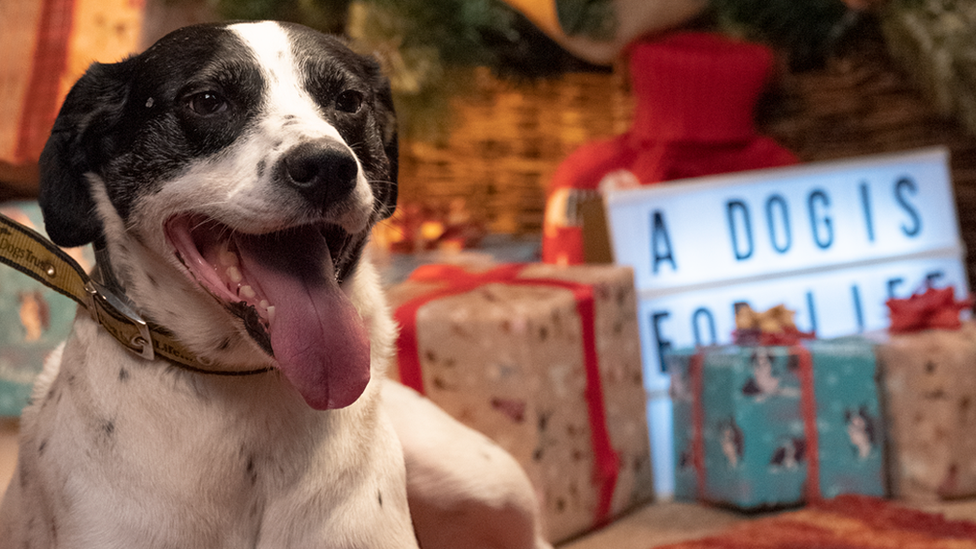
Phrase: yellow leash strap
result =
(30, 253)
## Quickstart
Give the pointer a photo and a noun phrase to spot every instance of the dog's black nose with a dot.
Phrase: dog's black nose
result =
(322, 171)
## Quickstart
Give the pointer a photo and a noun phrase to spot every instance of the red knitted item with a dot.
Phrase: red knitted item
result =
(695, 94)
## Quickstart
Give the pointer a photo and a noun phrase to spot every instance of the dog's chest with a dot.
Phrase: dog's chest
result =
(171, 453)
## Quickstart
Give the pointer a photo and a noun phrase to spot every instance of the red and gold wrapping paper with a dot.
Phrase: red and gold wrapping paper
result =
(545, 361)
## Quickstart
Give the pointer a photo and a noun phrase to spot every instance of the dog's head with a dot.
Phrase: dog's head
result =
(247, 161)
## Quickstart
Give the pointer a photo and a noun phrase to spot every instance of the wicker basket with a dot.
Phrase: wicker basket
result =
(508, 140)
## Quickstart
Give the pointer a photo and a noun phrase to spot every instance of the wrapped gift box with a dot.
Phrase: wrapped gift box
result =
(928, 366)
(33, 318)
(545, 360)
(770, 426)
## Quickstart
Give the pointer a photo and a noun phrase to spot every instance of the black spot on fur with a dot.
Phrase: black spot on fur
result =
(108, 428)
(224, 344)
(379, 497)
(152, 281)
(252, 473)
(261, 166)
(543, 421)
(123, 374)
(41, 447)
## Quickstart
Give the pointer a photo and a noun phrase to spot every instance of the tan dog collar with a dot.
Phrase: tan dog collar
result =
(32, 254)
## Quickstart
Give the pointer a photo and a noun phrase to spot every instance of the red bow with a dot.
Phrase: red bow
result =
(934, 309)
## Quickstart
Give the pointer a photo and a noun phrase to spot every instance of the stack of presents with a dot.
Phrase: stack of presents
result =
(545, 360)
(780, 418)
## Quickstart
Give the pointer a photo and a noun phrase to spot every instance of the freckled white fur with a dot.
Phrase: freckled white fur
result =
(118, 452)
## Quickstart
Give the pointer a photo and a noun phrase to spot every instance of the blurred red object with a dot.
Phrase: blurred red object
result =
(930, 310)
(421, 226)
(695, 94)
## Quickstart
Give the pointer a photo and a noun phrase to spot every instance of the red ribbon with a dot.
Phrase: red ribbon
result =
(808, 409)
(933, 309)
(456, 280)
(696, 368)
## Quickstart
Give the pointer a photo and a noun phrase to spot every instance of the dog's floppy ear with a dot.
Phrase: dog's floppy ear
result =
(81, 142)
(386, 118)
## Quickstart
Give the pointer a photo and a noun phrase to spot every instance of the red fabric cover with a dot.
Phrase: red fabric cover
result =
(695, 94)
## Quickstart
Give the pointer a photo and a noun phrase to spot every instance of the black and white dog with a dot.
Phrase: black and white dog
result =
(229, 177)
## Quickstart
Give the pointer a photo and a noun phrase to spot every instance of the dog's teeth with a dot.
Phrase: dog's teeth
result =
(264, 304)
(248, 292)
(226, 257)
(234, 274)
(271, 314)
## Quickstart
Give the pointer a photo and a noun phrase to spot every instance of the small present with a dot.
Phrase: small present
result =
(545, 361)
(34, 319)
(928, 366)
(771, 426)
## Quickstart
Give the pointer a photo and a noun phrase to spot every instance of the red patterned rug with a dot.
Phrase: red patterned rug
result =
(846, 522)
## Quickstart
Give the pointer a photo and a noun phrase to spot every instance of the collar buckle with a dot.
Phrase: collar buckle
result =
(120, 319)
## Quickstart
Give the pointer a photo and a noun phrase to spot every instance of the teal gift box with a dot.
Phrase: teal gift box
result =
(33, 318)
(773, 426)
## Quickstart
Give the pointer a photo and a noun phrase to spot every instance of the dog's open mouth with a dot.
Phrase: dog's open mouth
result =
(284, 285)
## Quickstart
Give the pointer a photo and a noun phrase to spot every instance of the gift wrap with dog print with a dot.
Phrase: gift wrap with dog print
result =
(33, 318)
(929, 381)
(503, 349)
(758, 427)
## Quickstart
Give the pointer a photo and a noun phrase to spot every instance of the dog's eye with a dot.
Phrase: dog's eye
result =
(207, 103)
(349, 101)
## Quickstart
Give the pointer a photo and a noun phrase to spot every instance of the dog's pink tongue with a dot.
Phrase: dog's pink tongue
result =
(318, 338)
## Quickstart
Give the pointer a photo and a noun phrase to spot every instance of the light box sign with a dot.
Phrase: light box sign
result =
(832, 241)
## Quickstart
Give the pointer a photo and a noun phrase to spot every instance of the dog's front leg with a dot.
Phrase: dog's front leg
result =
(465, 491)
